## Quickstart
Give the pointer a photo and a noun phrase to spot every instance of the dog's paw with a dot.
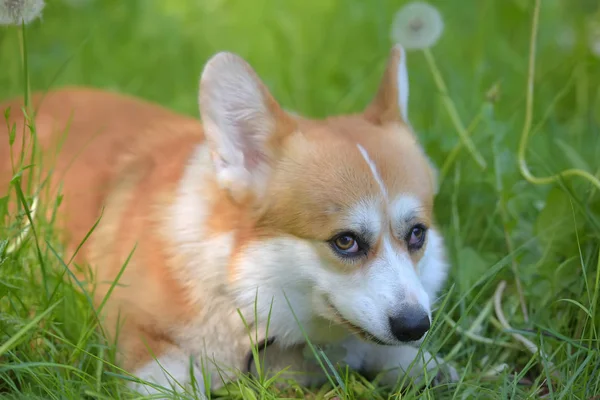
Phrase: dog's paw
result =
(446, 373)
(169, 376)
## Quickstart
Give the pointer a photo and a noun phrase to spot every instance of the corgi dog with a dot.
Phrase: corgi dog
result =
(250, 227)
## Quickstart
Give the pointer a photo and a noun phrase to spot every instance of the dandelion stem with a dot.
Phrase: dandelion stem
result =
(29, 114)
(523, 167)
(23, 48)
(470, 333)
(451, 109)
(533, 349)
(451, 157)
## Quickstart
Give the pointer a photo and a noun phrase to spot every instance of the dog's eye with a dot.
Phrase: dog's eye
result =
(416, 237)
(346, 244)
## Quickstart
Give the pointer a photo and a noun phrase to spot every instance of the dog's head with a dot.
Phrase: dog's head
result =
(340, 209)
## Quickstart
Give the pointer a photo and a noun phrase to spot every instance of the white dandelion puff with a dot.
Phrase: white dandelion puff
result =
(417, 25)
(594, 38)
(17, 12)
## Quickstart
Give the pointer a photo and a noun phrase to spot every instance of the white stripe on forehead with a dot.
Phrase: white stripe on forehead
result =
(374, 171)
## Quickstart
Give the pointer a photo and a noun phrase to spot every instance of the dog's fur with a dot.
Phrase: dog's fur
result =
(233, 215)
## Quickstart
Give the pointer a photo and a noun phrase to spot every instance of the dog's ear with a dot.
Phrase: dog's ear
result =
(243, 125)
(391, 101)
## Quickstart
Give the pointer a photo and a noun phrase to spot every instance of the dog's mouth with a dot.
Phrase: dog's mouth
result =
(365, 335)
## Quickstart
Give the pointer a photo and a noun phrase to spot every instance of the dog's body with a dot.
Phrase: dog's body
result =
(284, 220)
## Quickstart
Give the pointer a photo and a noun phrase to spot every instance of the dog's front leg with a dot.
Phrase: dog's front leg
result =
(391, 364)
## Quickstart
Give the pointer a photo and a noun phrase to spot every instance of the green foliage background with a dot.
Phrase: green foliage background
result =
(323, 57)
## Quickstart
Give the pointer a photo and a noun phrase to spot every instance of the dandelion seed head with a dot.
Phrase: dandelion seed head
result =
(417, 25)
(17, 12)
(594, 38)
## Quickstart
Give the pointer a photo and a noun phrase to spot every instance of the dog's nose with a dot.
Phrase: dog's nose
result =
(410, 325)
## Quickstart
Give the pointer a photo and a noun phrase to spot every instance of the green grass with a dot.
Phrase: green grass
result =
(321, 57)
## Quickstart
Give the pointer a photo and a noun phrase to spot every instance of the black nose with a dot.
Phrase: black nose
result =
(410, 325)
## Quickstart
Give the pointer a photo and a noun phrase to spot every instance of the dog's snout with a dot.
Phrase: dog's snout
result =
(410, 324)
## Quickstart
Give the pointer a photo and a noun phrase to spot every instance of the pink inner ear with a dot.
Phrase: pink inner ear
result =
(253, 144)
(243, 117)
(253, 159)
